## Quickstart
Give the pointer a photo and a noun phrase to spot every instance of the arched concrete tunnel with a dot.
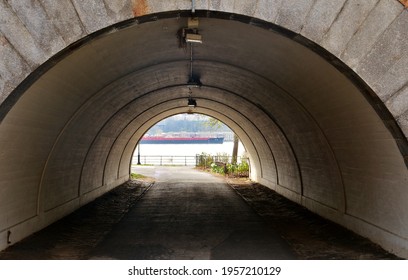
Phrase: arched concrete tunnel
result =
(314, 130)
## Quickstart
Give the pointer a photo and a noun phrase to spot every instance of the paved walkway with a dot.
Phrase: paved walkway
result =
(191, 215)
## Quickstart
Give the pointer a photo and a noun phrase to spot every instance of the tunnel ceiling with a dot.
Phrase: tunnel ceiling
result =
(312, 128)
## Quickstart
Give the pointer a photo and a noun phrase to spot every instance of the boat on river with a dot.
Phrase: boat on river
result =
(181, 140)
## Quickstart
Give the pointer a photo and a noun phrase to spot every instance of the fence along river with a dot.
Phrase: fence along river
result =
(180, 154)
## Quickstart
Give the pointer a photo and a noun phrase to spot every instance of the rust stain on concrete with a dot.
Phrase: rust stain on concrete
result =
(140, 7)
(404, 2)
(3, 41)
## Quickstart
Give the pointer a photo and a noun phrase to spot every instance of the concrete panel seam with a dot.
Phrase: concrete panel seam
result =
(296, 21)
(358, 28)
(59, 205)
(80, 20)
(253, 7)
(386, 56)
(307, 16)
(315, 122)
(376, 226)
(93, 142)
(33, 63)
(320, 203)
(360, 228)
(26, 64)
(48, 16)
(320, 19)
(107, 9)
(35, 19)
(94, 189)
(259, 8)
(335, 20)
(343, 28)
(40, 188)
(119, 13)
(19, 223)
(398, 97)
(369, 51)
(16, 51)
(284, 187)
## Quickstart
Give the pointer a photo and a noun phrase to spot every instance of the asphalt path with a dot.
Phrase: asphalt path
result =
(189, 214)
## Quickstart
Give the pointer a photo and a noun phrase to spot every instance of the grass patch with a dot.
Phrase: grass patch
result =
(135, 176)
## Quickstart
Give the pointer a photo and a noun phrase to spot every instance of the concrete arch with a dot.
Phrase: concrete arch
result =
(326, 132)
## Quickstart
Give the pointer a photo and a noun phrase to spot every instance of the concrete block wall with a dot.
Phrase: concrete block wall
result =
(368, 36)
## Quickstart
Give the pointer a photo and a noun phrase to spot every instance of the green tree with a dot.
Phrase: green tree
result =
(235, 150)
(214, 123)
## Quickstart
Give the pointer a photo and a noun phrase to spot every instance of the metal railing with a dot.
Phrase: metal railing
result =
(197, 160)
(205, 160)
(166, 160)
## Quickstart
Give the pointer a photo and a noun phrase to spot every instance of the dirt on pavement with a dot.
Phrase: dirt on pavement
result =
(310, 236)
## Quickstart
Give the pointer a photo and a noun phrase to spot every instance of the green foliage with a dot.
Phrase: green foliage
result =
(242, 169)
(213, 123)
(135, 176)
(204, 160)
(236, 170)
(218, 168)
(220, 164)
(222, 157)
(232, 168)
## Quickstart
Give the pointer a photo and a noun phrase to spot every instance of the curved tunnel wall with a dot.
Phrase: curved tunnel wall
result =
(312, 134)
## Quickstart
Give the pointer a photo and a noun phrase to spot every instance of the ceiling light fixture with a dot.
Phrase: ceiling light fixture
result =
(190, 33)
(192, 103)
(193, 38)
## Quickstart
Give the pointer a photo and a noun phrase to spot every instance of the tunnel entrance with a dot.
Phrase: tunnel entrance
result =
(315, 131)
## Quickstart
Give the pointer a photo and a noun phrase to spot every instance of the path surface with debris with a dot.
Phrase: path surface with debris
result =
(188, 214)
(191, 215)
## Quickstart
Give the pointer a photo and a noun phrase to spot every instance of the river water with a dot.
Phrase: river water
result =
(176, 153)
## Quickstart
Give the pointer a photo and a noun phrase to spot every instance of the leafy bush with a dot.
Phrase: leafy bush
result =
(243, 167)
(238, 170)
(222, 157)
(218, 167)
(220, 164)
(231, 168)
(204, 160)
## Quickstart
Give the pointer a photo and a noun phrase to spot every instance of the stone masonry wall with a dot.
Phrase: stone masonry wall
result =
(369, 36)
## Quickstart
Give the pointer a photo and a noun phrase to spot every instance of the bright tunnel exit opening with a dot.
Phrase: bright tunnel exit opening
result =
(189, 140)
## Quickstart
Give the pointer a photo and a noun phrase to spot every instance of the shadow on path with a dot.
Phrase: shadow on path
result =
(189, 214)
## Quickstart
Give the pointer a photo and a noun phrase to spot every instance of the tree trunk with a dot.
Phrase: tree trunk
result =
(235, 150)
